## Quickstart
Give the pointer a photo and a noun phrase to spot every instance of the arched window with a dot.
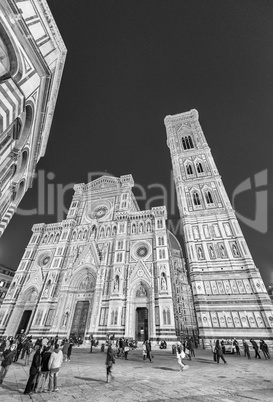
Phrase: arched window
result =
(114, 231)
(108, 232)
(199, 167)
(196, 199)
(148, 226)
(133, 228)
(45, 239)
(116, 317)
(209, 197)
(102, 232)
(189, 169)
(187, 142)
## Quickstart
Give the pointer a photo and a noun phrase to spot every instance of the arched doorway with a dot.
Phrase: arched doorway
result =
(84, 286)
(141, 313)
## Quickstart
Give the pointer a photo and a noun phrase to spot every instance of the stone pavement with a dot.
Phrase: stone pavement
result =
(83, 379)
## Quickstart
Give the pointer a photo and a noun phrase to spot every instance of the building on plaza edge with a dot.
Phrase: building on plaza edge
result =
(107, 268)
(230, 298)
(32, 56)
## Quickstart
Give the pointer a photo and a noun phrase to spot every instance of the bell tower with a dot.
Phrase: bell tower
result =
(229, 294)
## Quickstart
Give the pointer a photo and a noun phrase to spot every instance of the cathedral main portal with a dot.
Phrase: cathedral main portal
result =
(141, 333)
(79, 319)
(24, 321)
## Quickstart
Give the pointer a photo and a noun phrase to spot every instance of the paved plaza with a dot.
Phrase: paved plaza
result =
(83, 379)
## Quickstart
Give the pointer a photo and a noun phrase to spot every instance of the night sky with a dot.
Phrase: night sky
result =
(131, 63)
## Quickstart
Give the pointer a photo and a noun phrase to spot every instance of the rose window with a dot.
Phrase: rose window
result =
(142, 251)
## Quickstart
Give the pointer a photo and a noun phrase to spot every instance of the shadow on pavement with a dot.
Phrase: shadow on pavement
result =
(89, 379)
(165, 368)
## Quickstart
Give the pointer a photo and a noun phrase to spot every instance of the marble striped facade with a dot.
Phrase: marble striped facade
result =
(32, 61)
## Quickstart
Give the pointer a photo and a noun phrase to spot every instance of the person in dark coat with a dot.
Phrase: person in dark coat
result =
(148, 349)
(246, 349)
(8, 356)
(219, 352)
(65, 349)
(264, 349)
(34, 370)
(110, 360)
(255, 347)
(69, 351)
(44, 373)
(18, 351)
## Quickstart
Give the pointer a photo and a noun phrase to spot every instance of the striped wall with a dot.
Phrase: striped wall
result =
(11, 103)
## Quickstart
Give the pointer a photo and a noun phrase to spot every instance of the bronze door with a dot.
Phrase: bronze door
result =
(79, 319)
(141, 324)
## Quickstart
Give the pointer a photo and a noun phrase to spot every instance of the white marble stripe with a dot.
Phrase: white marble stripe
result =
(15, 96)
(4, 117)
(10, 109)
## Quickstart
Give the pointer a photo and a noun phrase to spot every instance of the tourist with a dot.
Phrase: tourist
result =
(18, 350)
(110, 360)
(148, 350)
(34, 370)
(65, 349)
(144, 350)
(212, 346)
(235, 344)
(264, 349)
(8, 355)
(180, 354)
(71, 344)
(219, 352)
(44, 373)
(246, 349)
(126, 349)
(191, 347)
(255, 347)
(54, 365)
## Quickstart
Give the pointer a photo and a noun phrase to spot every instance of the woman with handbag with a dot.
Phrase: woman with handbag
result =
(110, 360)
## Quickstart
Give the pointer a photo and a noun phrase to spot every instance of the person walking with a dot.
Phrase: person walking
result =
(91, 343)
(255, 347)
(235, 344)
(44, 373)
(180, 354)
(219, 352)
(144, 351)
(264, 349)
(246, 349)
(191, 347)
(65, 349)
(34, 370)
(148, 350)
(126, 349)
(212, 346)
(110, 360)
(18, 350)
(8, 356)
(54, 365)
(71, 344)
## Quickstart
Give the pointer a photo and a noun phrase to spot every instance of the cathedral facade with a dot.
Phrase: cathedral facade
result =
(107, 268)
(229, 294)
(32, 56)
(111, 268)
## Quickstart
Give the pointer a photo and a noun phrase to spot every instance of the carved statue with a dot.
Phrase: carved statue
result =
(163, 282)
(141, 291)
(200, 253)
(116, 284)
(65, 319)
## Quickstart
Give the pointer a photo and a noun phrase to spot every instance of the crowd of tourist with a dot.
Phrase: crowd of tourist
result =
(49, 354)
